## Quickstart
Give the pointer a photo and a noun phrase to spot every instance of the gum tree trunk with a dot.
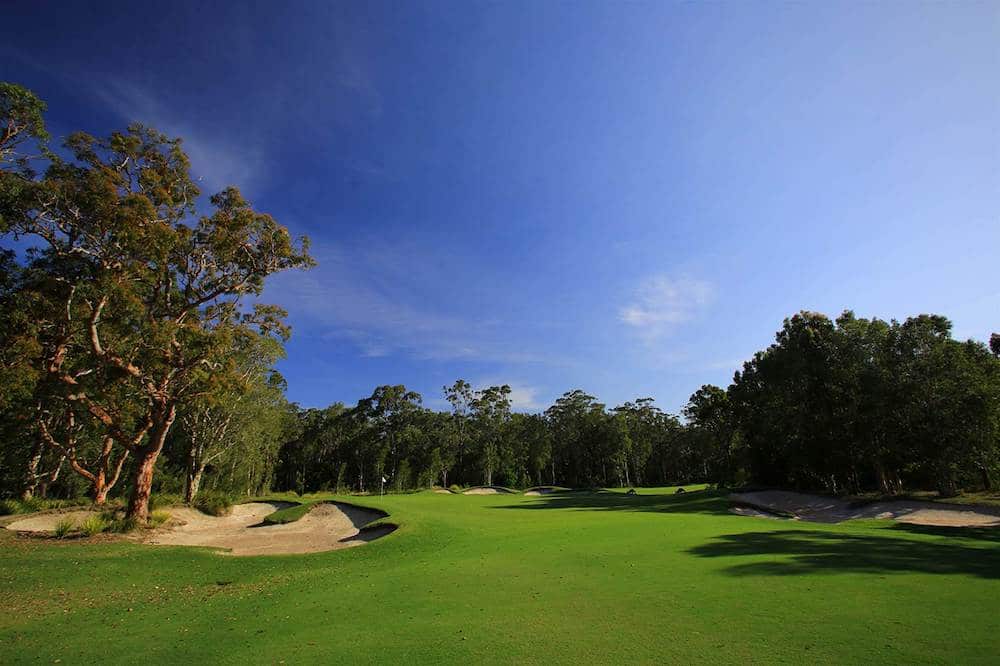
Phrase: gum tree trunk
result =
(146, 456)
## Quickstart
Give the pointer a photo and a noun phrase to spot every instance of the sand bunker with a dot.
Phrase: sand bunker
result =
(46, 522)
(487, 490)
(443, 491)
(819, 509)
(328, 526)
(542, 490)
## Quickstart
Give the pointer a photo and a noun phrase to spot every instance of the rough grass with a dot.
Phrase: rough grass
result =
(568, 578)
(16, 506)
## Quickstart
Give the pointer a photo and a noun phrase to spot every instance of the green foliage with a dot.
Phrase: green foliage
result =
(857, 405)
(214, 503)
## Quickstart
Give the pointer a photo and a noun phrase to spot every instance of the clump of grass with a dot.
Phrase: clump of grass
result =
(213, 503)
(157, 518)
(122, 525)
(64, 527)
(94, 525)
(455, 488)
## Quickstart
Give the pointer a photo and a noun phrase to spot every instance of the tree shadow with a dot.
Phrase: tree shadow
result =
(698, 501)
(805, 551)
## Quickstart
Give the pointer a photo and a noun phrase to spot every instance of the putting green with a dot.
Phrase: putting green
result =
(560, 578)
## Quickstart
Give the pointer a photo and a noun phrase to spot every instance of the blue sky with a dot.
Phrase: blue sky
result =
(623, 198)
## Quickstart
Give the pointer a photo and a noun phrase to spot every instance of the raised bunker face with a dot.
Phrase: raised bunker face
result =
(821, 509)
(327, 526)
(488, 490)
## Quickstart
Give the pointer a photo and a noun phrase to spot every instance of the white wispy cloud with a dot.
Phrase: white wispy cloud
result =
(661, 303)
(375, 299)
(217, 160)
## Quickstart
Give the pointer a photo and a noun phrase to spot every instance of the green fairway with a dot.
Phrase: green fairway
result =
(563, 578)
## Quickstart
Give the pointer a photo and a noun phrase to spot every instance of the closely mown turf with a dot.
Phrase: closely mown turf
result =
(289, 514)
(577, 578)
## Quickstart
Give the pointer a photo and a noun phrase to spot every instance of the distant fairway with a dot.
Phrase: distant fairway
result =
(562, 578)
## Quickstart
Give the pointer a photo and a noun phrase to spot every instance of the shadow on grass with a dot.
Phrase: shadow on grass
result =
(700, 501)
(806, 552)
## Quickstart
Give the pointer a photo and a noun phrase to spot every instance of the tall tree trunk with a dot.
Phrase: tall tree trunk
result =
(146, 456)
(193, 473)
(31, 474)
(193, 482)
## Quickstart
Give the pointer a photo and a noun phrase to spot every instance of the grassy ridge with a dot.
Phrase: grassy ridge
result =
(562, 578)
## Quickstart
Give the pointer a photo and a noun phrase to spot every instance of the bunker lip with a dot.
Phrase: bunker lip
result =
(488, 490)
(819, 509)
(328, 525)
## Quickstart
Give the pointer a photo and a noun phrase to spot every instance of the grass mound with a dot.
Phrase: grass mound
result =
(289, 514)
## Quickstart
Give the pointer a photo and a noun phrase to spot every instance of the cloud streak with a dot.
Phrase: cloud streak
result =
(216, 160)
(660, 304)
(371, 299)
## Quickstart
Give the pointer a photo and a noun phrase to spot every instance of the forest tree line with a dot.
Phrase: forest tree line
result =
(135, 357)
(849, 405)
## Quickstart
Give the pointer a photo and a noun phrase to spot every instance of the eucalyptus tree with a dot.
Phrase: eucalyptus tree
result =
(215, 420)
(460, 396)
(164, 290)
(643, 422)
(385, 415)
(490, 415)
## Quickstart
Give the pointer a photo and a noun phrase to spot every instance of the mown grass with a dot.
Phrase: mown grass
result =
(555, 579)
(289, 514)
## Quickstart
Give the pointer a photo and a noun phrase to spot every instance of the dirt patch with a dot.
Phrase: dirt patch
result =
(819, 509)
(46, 522)
(487, 490)
(328, 526)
